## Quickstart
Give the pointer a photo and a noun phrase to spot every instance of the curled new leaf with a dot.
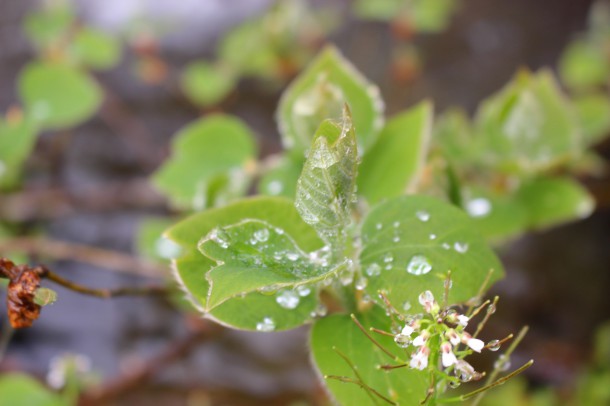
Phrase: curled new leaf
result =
(24, 281)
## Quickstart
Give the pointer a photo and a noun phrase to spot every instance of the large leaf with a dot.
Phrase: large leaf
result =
(22, 390)
(191, 267)
(326, 186)
(392, 166)
(254, 255)
(528, 126)
(17, 138)
(411, 242)
(554, 200)
(404, 385)
(213, 149)
(58, 96)
(320, 92)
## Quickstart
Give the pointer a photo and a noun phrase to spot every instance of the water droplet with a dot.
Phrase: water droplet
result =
(423, 215)
(275, 187)
(288, 299)
(448, 283)
(361, 283)
(396, 224)
(491, 309)
(261, 235)
(388, 258)
(346, 277)
(402, 340)
(406, 306)
(266, 325)
(220, 237)
(292, 256)
(373, 270)
(432, 236)
(396, 239)
(493, 345)
(461, 247)
(446, 246)
(279, 231)
(303, 290)
(320, 311)
(378, 226)
(268, 290)
(167, 249)
(479, 207)
(502, 363)
(2, 168)
(419, 265)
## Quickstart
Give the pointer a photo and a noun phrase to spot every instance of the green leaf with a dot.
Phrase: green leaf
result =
(394, 163)
(411, 242)
(95, 49)
(217, 148)
(403, 385)
(428, 16)
(246, 49)
(17, 139)
(319, 92)
(528, 126)
(207, 84)
(22, 390)
(554, 200)
(594, 113)
(45, 296)
(325, 189)
(254, 255)
(47, 28)
(383, 10)
(58, 96)
(584, 66)
(191, 267)
(281, 179)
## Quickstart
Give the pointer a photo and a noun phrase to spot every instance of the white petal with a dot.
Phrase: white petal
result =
(476, 344)
(419, 340)
(463, 320)
(448, 359)
(407, 330)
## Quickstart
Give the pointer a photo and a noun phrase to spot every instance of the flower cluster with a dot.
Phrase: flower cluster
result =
(441, 330)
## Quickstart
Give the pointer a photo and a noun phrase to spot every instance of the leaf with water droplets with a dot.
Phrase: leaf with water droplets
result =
(393, 165)
(418, 262)
(320, 93)
(254, 255)
(241, 312)
(210, 163)
(326, 186)
(405, 386)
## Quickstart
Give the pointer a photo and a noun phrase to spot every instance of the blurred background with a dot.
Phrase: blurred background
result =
(90, 185)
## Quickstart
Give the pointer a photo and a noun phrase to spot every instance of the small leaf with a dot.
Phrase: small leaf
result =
(95, 49)
(214, 146)
(528, 126)
(392, 166)
(326, 186)
(44, 296)
(584, 66)
(150, 242)
(17, 139)
(207, 84)
(429, 16)
(414, 241)
(554, 200)
(22, 390)
(252, 255)
(405, 386)
(58, 96)
(321, 90)
(48, 27)
(191, 267)
(594, 115)
(246, 49)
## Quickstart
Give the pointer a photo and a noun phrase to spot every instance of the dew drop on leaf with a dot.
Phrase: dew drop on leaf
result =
(266, 325)
(461, 247)
(288, 299)
(261, 235)
(446, 246)
(388, 258)
(275, 187)
(373, 270)
(479, 207)
(361, 283)
(378, 226)
(220, 237)
(406, 306)
(396, 239)
(432, 236)
(493, 345)
(396, 224)
(303, 290)
(292, 256)
(419, 265)
(423, 215)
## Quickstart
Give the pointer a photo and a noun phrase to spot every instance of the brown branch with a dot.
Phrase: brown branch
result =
(102, 258)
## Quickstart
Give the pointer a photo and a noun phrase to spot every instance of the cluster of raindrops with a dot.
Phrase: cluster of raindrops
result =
(440, 334)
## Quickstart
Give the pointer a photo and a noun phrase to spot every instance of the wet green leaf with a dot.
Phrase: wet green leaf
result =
(394, 163)
(411, 242)
(211, 147)
(320, 92)
(253, 255)
(326, 186)
(207, 84)
(191, 267)
(95, 49)
(404, 385)
(554, 200)
(58, 96)
(22, 390)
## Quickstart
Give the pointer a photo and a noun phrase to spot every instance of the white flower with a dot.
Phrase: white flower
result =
(407, 330)
(448, 358)
(421, 339)
(453, 337)
(476, 344)
(419, 360)
(463, 320)
(426, 299)
(464, 371)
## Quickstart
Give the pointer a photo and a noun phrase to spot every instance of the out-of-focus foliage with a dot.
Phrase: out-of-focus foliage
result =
(418, 15)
